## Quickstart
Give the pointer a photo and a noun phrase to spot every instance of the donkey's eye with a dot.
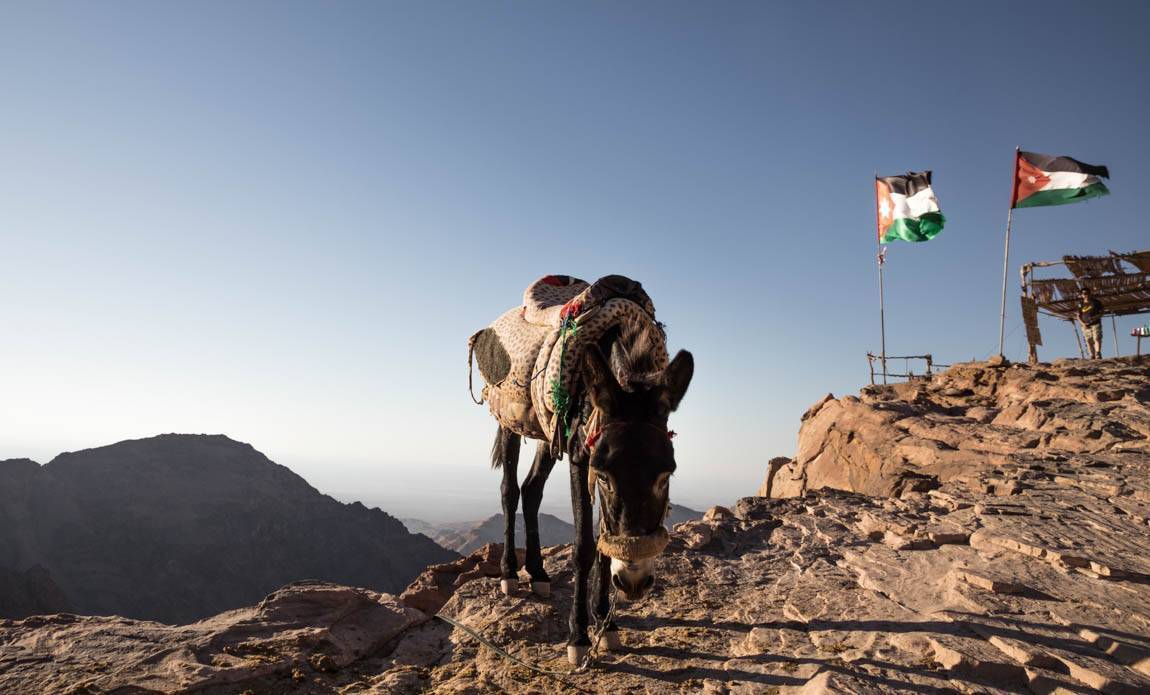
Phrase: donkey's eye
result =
(663, 482)
(604, 479)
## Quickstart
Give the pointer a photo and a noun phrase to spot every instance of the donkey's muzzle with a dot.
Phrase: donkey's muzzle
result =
(633, 579)
(633, 561)
(634, 548)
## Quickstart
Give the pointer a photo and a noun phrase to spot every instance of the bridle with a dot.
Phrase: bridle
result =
(629, 548)
(593, 438)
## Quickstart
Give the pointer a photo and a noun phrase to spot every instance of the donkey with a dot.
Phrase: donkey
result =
(622, 450)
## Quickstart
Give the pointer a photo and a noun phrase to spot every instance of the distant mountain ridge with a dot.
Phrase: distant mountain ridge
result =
(677, 514)
(179, 527)
(30, 592)
(466, 537)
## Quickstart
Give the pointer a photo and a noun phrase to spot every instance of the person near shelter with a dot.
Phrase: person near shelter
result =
(1090, 316)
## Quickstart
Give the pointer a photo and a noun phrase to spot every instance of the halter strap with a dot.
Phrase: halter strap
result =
(592, 439)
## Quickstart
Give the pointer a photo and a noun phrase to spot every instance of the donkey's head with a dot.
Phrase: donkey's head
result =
(632, 460)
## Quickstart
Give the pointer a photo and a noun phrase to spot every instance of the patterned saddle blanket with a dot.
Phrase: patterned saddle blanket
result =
(531, 356)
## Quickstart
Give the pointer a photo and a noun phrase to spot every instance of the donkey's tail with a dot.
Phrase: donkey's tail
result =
(497, 450)
(506, 447)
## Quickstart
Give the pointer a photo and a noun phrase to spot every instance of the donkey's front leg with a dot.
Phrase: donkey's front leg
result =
(506, 454)
(603, 591)
(578, 643)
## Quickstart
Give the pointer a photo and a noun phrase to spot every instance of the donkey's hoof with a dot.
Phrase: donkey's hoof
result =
(509, 587)
(611, 641)
(576, 653)
(541, 589)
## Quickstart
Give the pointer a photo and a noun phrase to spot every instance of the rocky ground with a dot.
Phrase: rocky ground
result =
(912, 436)
(1027, 570)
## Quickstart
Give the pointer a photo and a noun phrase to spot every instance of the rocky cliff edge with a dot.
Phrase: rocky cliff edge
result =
(1026, 571)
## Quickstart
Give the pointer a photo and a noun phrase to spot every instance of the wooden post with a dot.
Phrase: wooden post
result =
(1024, 276)
(1114, 329)
(1081, 352)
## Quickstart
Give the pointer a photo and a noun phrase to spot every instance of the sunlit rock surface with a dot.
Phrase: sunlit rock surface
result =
(304, 628)
(974, 416)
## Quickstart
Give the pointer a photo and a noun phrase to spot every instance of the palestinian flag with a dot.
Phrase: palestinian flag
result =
(1040, 179)
(907, 208)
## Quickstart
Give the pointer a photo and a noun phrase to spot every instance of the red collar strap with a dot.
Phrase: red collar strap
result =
(593, 438)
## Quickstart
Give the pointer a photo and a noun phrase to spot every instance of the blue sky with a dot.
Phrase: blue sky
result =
(281, 221)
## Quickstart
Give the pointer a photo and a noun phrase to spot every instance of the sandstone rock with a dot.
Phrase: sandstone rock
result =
(953, 589)
(299, 627)
(995, 585)
(718, 514)
(803, 598)
(696, 535)
(974, 416)
(436, 584)
(776, 485)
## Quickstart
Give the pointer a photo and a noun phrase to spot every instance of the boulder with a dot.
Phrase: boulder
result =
(911, 437)
(300, 629)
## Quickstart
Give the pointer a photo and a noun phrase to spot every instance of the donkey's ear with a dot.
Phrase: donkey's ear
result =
(677, 378)
(599, 381)
(621, 365)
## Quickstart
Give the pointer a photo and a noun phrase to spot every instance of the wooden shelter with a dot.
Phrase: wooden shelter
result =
(1120, 281)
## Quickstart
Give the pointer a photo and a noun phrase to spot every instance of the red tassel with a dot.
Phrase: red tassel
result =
(571, 309)
(593, 438)
(671, 434)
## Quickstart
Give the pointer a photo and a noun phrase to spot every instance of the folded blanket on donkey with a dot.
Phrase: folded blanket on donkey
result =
(531, 356)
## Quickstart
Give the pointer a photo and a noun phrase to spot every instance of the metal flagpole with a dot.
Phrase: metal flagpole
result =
(881, 259)
(1006, 256)
(882, 311)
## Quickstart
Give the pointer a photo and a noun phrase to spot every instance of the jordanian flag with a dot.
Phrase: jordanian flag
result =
(907, 208)
(1040, 179)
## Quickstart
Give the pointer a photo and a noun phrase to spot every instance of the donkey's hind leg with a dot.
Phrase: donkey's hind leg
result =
(505, 454)
(532, 497)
